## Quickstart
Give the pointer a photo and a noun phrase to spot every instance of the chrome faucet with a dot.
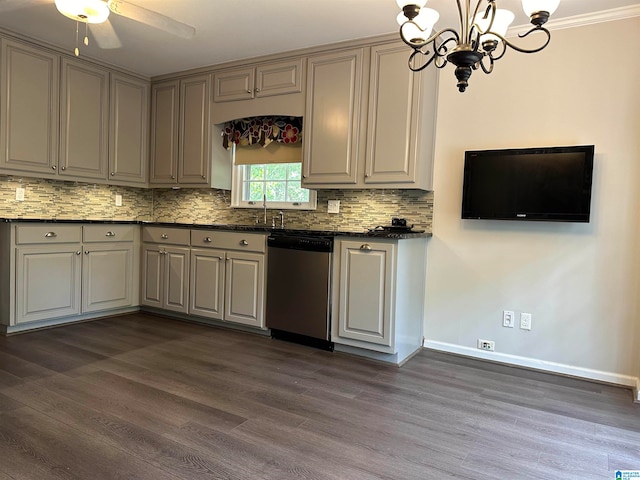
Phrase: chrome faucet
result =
(264, 206)
(281, 213)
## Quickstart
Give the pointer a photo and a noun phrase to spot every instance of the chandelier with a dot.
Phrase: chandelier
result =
(478, 43)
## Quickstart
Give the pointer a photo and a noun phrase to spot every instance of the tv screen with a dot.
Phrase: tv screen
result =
(544, 184)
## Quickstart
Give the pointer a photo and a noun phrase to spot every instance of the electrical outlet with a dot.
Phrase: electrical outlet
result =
(486, 345)
(525, 321)
(508, 318)
(20, 194)
(333, 206)
(118, 200)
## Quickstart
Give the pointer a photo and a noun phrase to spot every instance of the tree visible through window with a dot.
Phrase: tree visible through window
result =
(280, 182)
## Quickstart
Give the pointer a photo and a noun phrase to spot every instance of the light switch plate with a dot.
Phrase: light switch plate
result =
(118, 200)
(333, 206)
(20, 194)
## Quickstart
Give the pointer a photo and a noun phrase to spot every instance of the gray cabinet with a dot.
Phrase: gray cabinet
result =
(181, 133)
(29, 80)
(228, 276)
(128, 130)
(84, 117)
(369, 120)
(165, 268)
(333, 120)
(378, 297)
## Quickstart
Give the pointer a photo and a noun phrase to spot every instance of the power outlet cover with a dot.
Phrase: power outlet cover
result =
(525, 321)
(333, 206)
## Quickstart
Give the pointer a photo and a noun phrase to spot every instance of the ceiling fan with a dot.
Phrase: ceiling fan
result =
(96, 13)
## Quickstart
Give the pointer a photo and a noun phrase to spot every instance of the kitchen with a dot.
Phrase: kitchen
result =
(580, 282)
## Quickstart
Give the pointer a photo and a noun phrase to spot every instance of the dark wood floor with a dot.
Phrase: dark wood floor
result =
(142, 397)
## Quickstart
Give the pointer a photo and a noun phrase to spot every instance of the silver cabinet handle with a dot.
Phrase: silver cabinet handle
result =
(173, 177)
(54, 167)
(164, 236)
(244, 243)
(63, 168)
(50, 235)
(366, 247)
(207, 240)
(110, 234)
(112, 174)
(257, 90)
(86, 252)
(204, 176)
(219, 258)
(248, 91)
(78, 252)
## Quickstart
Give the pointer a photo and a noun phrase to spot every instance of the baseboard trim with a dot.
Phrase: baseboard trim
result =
(552, 367)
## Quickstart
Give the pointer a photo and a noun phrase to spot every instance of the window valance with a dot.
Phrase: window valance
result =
(262, 131)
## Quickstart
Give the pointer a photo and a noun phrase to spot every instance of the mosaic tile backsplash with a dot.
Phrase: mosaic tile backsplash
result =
(359, 209)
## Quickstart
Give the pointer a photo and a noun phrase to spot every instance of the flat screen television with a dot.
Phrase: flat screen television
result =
(544, 184)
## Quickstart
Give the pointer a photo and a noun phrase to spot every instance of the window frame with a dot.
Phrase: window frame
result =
(237, 180)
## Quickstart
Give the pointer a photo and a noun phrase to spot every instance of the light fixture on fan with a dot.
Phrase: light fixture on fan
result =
(480, 40)
(85, 11)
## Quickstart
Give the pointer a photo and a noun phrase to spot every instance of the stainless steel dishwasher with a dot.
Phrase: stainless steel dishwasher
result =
(299, 288)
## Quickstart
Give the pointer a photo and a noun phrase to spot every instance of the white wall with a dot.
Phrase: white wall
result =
(581, 282)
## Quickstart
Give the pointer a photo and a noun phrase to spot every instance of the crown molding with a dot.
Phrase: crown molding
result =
(584, 19)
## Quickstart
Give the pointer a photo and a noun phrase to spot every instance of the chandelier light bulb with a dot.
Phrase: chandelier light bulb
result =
(404, 3)
(501, 22)
(531, 7)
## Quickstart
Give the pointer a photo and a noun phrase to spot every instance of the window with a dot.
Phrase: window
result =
(280, 182)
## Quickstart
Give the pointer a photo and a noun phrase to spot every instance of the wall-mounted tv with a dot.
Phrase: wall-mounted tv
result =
(545, 184)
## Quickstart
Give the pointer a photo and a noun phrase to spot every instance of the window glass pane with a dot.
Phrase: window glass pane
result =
(295, 172)
(276, 191)
(256, 191)
(276, 171)
(256, 172)
(297, 194)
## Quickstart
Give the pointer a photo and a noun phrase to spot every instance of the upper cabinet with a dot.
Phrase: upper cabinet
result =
(181, 136)
(369, 120)
(58, 122)
(28, 109)
(128, 130)
(270, 88)
(84, 116)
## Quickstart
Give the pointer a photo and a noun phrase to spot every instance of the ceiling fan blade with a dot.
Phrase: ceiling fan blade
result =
(151, 18)
(9, 5)
(105, 36)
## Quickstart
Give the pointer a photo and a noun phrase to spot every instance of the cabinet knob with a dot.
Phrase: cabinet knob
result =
(86, 252)
(78, 252)
(204, 176)
(244, 243)
(63, 168)
(54, 167)
(50, 235)
(207, 239)
(164, 236)
(304, 176)
(173, 177)
(110, 234)
(249, 91)
(112, 174)
(366, 247)
(257, 90)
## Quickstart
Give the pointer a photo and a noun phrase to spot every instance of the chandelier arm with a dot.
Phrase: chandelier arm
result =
(526, 50)
(494, 56)
(462, 22)
(474, 26)
(488, 69)
(434, 55)
(429, 40)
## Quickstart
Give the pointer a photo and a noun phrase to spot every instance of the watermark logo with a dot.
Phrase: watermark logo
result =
(628, 474)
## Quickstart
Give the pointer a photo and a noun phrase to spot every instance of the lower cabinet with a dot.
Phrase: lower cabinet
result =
(66, 272)
(228, 278)
(165, 280)
(378, 296)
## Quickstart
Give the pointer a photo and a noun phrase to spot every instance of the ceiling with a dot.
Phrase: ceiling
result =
(232, 30)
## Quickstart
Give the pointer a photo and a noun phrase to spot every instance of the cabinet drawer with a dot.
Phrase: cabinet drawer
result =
(250, 242)
(170, 236)
(48, 233)
(108, 233)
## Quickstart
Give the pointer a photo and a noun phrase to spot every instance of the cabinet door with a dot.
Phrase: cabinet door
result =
(164, 133)
(152, 270)
(393, 116)
(193, 139)
(48, 282)
(107, 273)
(84, 121)
(207, 283)
(232, 85)
(333, 120)
(28, 109)
(244, 289)
(279, 78)
(128, 130)
(176, 279)
(365, 295)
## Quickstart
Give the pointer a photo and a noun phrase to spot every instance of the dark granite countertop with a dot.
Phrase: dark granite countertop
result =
(373, 233)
